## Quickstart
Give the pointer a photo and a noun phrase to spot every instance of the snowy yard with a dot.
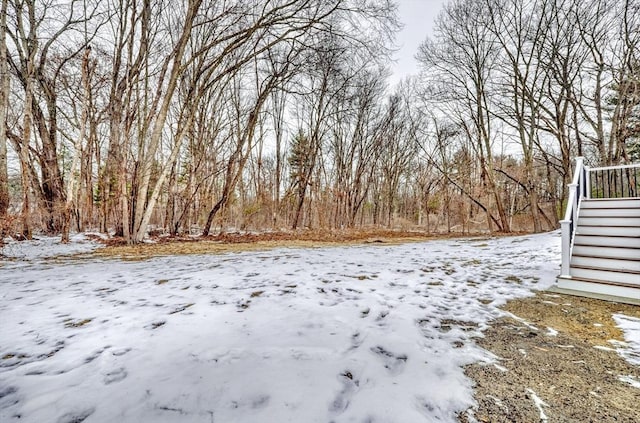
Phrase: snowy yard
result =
(345, 334)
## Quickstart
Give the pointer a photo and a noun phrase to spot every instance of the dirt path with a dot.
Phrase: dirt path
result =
(556, 364)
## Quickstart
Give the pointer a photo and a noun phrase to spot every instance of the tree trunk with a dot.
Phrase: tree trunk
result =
(4, 107)
(142, 210)
(25, 163)
(74, 177)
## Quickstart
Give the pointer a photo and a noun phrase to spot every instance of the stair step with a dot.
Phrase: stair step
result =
(606, 263)
(608, 241)
(609, 221)
(629, 231)
(598, 281)
(612, 203)
(630, 278)
(598, 289)
(610, 212)
(610, 252)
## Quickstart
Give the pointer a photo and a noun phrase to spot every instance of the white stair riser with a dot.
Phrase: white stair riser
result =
(609, 230)
(612, 204)
(598, 288)
(608, 241)
(607, 263)
(609, 221)
(612, 252)
(603, 275)
(610, 212)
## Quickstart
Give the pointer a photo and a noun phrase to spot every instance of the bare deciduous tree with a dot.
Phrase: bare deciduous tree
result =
(4, 106)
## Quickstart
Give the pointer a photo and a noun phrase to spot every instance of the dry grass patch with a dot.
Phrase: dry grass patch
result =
(239, 242)
(560, 366)
(584, 318)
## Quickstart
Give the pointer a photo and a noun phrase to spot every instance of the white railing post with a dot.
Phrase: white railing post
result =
(587, 182)
(580, 172)
(573, 195)
(569, 223)
(565, 226)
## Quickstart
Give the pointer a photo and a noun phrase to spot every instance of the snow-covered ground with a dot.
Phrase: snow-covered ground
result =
(631, 328)
(48, 247)
(350, 334)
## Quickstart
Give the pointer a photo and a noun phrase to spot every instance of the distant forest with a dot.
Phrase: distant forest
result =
(191, 117)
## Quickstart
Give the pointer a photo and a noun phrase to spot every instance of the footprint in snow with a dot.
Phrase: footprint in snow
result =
(76, 416)
(350, 385)
(95, 355)
(254, 403)
(395, 363)
(426, 408)
(115, 376)
(156, 325)
(260, 401)
(120, 351)
(356, 340)
(382, 315)
(8, 397)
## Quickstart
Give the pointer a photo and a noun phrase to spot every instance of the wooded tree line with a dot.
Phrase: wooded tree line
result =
(136, 115)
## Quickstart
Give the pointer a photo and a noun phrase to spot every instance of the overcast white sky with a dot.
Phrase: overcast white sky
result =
(417, 17)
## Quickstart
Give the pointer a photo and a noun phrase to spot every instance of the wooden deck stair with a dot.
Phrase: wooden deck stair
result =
(605, 257)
